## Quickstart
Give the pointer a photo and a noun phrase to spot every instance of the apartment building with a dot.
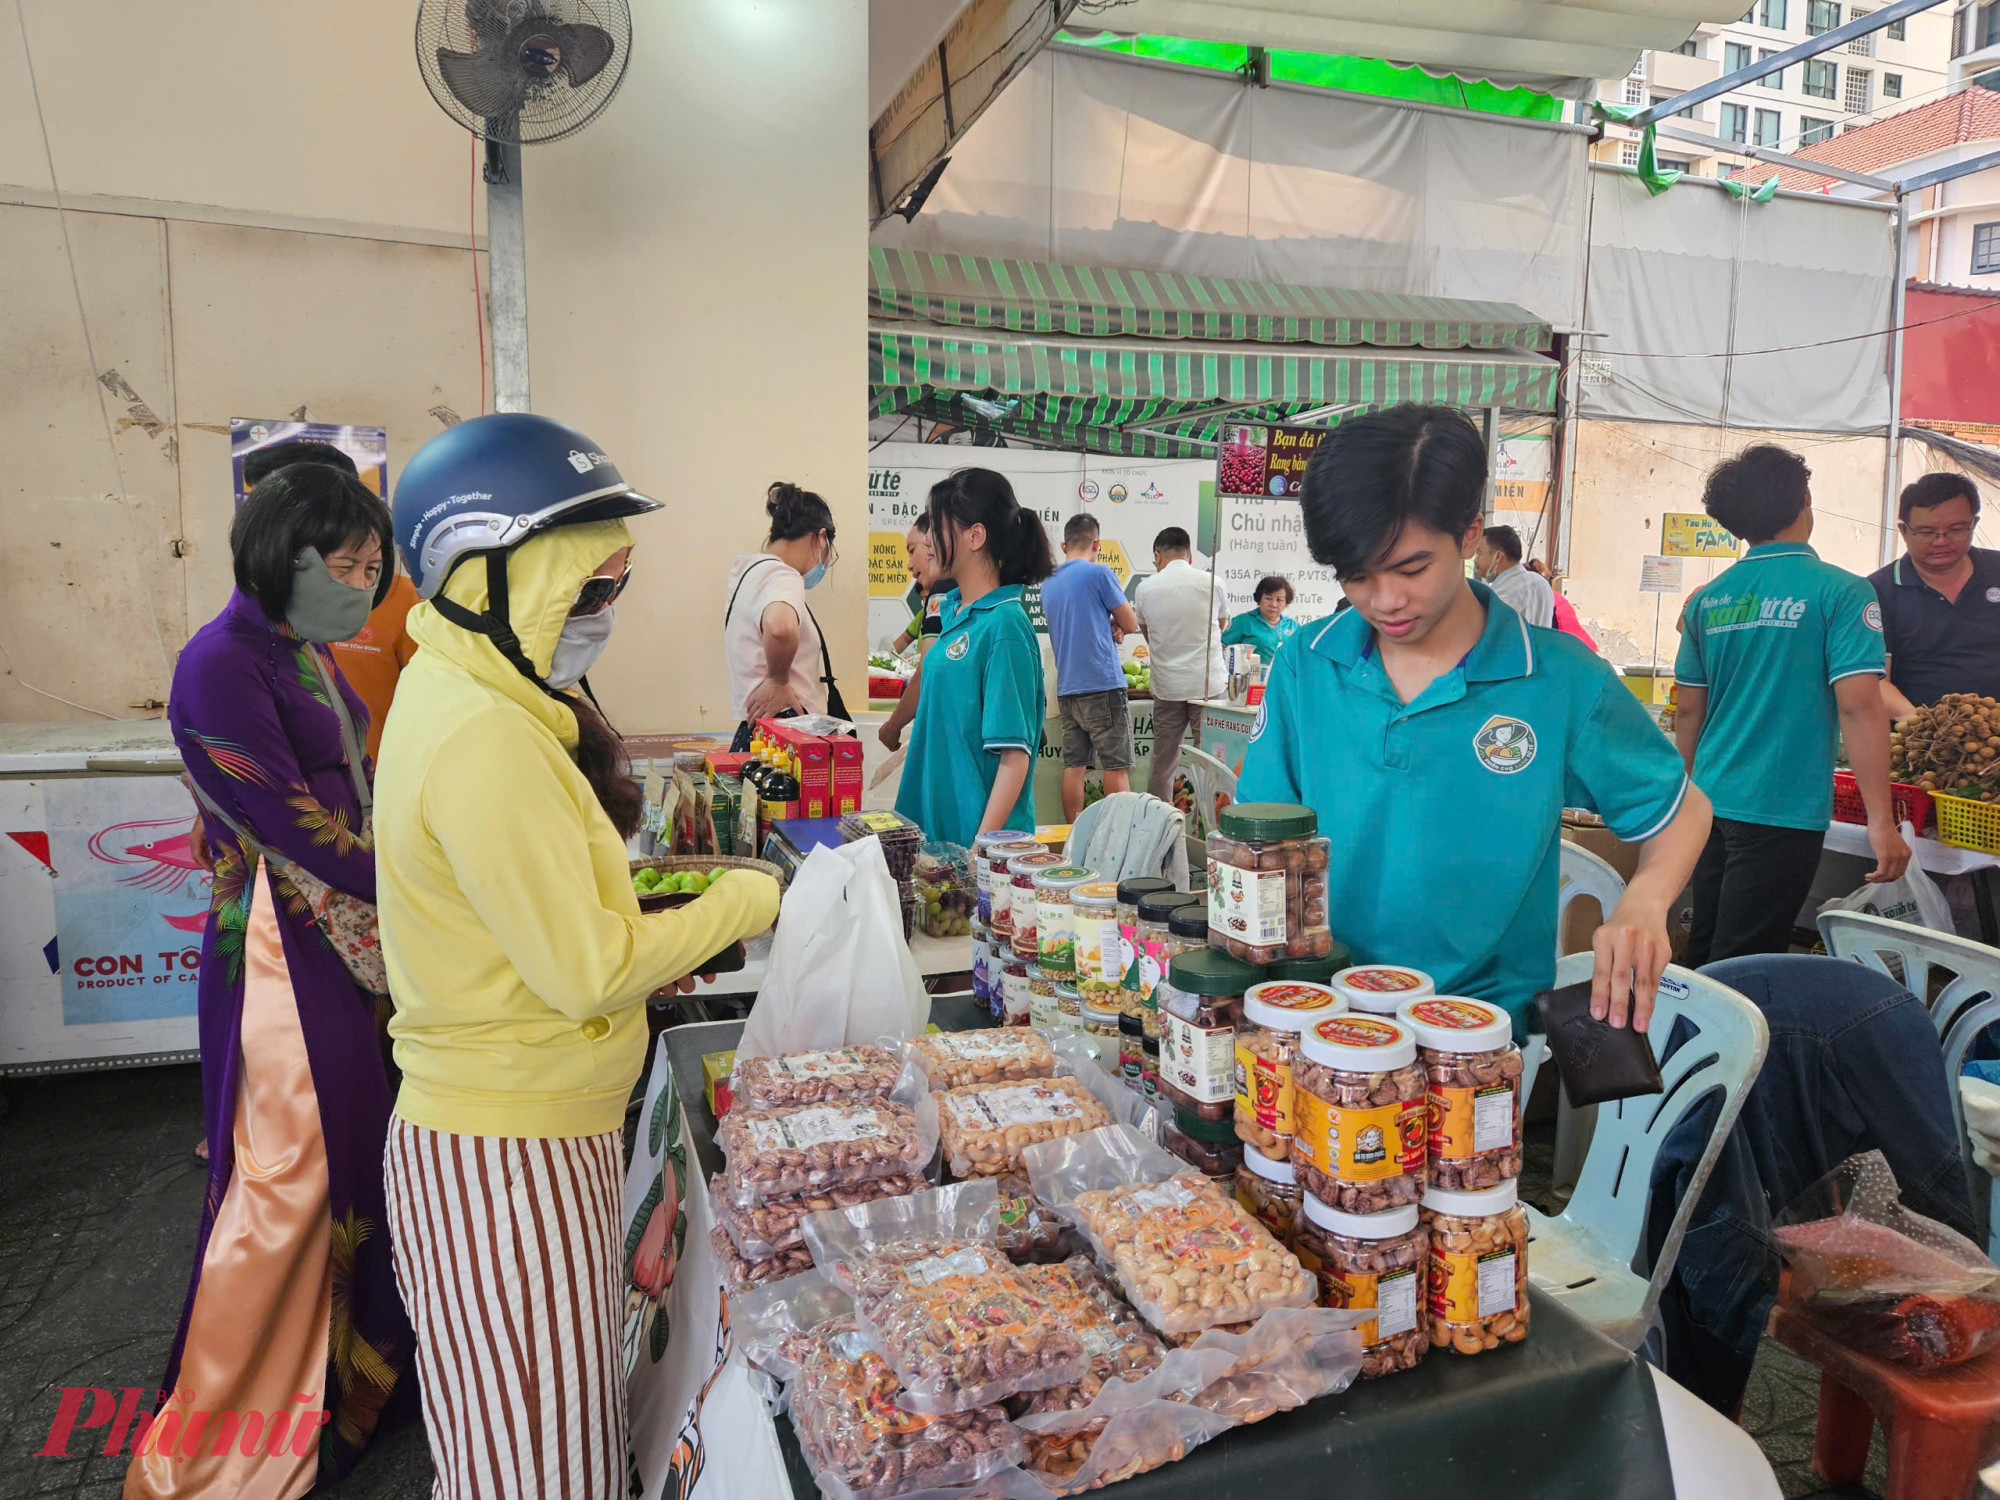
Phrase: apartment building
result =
(1906, 63)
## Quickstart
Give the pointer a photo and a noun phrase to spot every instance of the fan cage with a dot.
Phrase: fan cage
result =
(550, 110)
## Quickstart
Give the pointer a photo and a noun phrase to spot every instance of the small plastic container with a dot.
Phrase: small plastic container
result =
(1129, 892)
(1187, 927)
(1379, 1261)
(1153, 947)
(1201, 1001)
(983, 845)
(1381, 989)
(1267, 874)
(997, 885)
(1313, 970)
(1359, 1096)
(1100, 968)
(1268, 1188)
(984, 968)
(902, 840)
(1267, 1040)
(1149, 1067)
(1016, 999)
(1478, 1268)
(1069, 1004)
(1055, 916)
(1131, 1042)
(1021, 873)
(1043, 1007)
(1472, 1071)
(1211, 1148)
(1099, 1021)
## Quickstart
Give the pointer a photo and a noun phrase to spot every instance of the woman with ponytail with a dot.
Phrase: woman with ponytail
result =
(778, 661)
(518, 958)
(979, 720)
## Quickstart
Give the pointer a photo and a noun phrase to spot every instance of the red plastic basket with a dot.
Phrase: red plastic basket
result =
(1912, 803)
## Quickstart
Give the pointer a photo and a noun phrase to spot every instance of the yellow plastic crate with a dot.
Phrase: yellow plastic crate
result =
(1967, 824)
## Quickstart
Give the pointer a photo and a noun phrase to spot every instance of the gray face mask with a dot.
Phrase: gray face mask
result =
(323, 608)
(582, 641)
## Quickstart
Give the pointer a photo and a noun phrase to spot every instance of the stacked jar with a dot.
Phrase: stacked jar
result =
(1069, 1006)
(1209, 1146)
(1267, 1040)
(983, 845)
(1200, 1003)
(1130, 893)
(1361, 1110)
(1100, 971)
(1016, 997)
(1478, 1268)
(1100, 1023)
(1267, 874)
(999, 888)
(1153, 948)
(1021, 872)
(1044, 1008)
(1055, 918)
(1472, 1072)
(1373, 1261)
(1270, 1190)
(1311, 970)
(1381, 989)
(1131, 1052)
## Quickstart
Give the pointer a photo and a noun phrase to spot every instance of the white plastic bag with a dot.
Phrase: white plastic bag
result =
(840, 973)
(1912, 897)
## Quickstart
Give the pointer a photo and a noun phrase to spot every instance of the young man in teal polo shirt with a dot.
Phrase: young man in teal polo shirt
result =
(1439, 738)
(1775, 652)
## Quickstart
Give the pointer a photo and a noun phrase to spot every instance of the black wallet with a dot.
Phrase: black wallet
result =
(1599, 1062)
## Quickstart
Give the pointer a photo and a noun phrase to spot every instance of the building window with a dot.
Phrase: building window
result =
(1772, 14)
(1735, 122)
(1821, 16)
(1691, 47)
(1673, 164)
(1635, 91)
(1813, 130)
(1989, 25)
(1860, 96)
(1770, 80)
(1769, 126)
(1862, 46)
(1629, 153)
(1679, 114)
(1820, 78)
(1896, 30)
(1985, 248)
(1735, 57)
(1892, 85)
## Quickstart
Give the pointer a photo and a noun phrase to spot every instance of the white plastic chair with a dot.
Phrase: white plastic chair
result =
(1972, 1020)
(1214, 786)
(1873, 940)
(1584, 1256)
(1581, 874)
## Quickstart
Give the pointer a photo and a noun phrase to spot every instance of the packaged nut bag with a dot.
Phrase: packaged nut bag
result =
(839, 1075)
(985, 1126)
(809, 1148)
(777, 1224)
(738, 1270)
(1029, 1232)
(955, 1059)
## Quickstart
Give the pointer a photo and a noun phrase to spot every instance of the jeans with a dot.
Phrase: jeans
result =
(1854, 1065)
(1171, 721)
(1749, 884)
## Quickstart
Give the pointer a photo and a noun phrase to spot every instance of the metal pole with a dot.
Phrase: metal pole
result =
(507, 269)
(1490, 429)
(1892, 461)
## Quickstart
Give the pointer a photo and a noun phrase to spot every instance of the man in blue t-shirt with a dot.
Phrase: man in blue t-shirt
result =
(1779, 653)
(1088, 616)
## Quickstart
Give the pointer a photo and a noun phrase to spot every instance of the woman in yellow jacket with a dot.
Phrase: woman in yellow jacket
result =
(517, 956)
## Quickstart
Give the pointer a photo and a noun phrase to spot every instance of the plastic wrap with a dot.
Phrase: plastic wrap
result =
(778, 1224)
(839, 1075)
(739, 1270)
(984, 1127)
(1028, 1230)
(1885, 1280)
(954, 1059)
(1187, 1254)
(778, 1152)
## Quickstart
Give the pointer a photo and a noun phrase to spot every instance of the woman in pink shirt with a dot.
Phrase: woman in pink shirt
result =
(1566, 620)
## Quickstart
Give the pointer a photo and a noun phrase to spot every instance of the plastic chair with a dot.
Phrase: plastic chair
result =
(1873, 940)
(1214, 788)
(1584, 1256)
(1581, 873)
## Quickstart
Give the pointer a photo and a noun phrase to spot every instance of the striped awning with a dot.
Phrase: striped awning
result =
(1151, 364)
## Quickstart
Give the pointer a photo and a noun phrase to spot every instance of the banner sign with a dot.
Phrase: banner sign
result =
(1266, 460)
(1660, 575)
(1684, 535)
(367, 446)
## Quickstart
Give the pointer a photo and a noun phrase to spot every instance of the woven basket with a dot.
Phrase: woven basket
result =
(673, 864)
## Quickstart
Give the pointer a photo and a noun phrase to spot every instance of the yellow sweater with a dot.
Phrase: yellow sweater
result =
(517, 957)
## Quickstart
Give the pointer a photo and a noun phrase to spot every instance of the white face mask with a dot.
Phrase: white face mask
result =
(582, 641)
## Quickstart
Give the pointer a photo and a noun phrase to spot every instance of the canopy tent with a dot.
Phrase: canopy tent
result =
(1152, 363)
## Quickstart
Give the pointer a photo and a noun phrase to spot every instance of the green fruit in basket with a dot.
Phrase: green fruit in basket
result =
(696, 884)
(715, 875)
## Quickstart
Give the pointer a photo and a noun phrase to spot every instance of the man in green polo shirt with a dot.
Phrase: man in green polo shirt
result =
(1776, 652)
(1439, 738)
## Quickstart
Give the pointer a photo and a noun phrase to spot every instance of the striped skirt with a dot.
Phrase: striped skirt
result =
(508, 1257)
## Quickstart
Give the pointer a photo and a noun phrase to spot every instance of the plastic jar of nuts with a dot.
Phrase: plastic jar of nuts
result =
(1043, 1007)
(1129, 892)
(1377, 1261)
(999, 886)
(1478, 1268)
(1153, 947)
(1055, 920)
(1359, 1099)
(1100, 970)
(983, 846)
(1267, 883)
(1381, 989)
(1131, 1042)
(1473, 1071)
(1187, 927)
(1016, 999)
(1200, 1002)
(1267, 1187)
(1101, 1021)
(1069, 1006)
(1209, 1146)
(1021, 873)
(1266, 1042)
(1149, 1067)
(1311, 970)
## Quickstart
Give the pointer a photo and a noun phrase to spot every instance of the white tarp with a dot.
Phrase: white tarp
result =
(1814, 272)
(1099, 159)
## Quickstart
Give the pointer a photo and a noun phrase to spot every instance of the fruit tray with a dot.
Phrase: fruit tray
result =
(730, 959)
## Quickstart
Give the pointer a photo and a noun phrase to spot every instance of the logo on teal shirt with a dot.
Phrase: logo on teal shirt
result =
(1504, 745)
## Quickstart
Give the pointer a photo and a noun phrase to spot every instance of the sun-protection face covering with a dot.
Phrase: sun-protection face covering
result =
(582, 641)
(322, 608)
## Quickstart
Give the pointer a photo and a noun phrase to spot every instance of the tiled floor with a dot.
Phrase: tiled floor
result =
(98, 1197)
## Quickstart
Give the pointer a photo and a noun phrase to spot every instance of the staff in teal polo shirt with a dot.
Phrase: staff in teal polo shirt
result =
(979, 719)
(1267, 627)
(1774, 651)
(1439, 737)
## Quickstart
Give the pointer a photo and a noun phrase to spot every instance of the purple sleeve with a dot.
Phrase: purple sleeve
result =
(236, 748)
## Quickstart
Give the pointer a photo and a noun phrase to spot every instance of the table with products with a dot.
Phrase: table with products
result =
(1565, 1413)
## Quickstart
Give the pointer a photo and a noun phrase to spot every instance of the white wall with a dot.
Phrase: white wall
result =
(697, 269)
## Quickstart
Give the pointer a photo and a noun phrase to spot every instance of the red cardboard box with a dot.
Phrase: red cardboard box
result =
(845, 752)
(725, 763)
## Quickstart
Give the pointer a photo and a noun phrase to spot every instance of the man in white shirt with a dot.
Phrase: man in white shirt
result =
(1497, 564)
(1180, 613)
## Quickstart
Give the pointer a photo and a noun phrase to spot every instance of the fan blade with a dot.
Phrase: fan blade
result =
(481, 82)
(586, 50)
